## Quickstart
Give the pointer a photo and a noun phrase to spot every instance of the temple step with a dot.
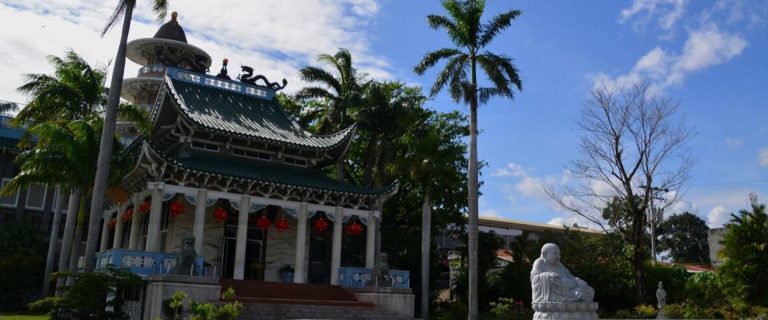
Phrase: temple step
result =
(276, 300)
(260, 311)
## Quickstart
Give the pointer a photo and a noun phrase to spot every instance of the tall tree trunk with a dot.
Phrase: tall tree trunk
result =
(639, 256)
(53, 241)
(77, 241)
(426, 229)
(66, 239)
(107, 141)
(474, 312)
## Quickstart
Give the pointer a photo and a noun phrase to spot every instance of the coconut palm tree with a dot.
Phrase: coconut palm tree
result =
(339, 89)
(65, 155)
(74, 91)
(124, 9)
(470, 38)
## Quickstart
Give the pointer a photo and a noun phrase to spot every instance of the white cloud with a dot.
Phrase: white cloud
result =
(762, 156)
(718, 216)
(275, 37)
(642, 12)
(511, 170)
(704, 48)
(734, 142)
(570, 221)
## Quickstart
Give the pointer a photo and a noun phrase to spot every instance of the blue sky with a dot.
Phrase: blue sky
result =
(710, 56)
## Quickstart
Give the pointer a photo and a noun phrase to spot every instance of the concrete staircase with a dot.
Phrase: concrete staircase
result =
(278, 301)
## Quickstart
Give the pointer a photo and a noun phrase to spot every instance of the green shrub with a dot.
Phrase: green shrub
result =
(451, 311)
(675, 310)
(645, 311)
(210, 311)
(22, 262)
(674, 278)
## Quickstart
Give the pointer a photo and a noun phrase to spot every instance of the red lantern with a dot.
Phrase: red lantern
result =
(263, 222)
(176, 208)
(127, 215)
(320, 225)
(354, 228)
(144, 207)
(281, 224)
(220, 214)
(112, 223)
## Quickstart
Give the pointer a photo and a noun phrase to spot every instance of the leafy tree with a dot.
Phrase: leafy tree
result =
(470, 37)
(745, 253)
(125, 9)
(685, 236)
(21, 263)
(633, 145)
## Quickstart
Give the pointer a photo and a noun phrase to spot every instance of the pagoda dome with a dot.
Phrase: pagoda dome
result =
(171, 30)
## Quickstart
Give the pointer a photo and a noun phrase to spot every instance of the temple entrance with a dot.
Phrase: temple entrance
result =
(254, 250)
(320, 248)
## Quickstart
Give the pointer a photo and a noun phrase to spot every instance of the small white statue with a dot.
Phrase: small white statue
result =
(552, 282)
(661, 296)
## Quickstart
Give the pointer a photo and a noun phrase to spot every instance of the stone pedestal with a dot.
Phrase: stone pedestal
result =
(565, 310)
(161, 287)
(387, 298)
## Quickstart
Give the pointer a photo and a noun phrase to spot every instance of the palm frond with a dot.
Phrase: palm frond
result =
(314, 93)
(136, 114)
(314, 74)
(496, 25)
(495, 74)
(7, 106)
(116, 15)
(160, 8)
(505, 64)
(454, 71)
(431, 58)
(436, 22)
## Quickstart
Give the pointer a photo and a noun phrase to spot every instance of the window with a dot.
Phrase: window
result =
(251, 154)
(36, 197)
(10, 200)
(205, 146)
(295, 161)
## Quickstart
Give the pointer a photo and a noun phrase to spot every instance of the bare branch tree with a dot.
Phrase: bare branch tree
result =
(631, 143)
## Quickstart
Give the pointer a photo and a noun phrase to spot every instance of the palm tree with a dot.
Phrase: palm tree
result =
(125, 9)
(65, 155)
(340, 90)
(470, 38)
(431, 155)
(75, 90)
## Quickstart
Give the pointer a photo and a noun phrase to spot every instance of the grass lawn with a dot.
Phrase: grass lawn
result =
(22, 317)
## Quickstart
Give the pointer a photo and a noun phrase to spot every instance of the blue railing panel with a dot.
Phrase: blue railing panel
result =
(354, 277)
(400, 278)
(143, 263)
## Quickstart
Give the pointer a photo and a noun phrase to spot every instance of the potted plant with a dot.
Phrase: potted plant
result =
(286, 273)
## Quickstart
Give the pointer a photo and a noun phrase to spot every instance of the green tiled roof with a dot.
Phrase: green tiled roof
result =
(253, 117)
(268, 172)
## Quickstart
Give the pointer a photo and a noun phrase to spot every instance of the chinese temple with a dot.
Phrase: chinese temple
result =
(226, 172)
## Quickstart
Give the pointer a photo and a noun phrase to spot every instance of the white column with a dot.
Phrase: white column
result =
(301, 245)
(104, 235)
(155, 212)
(370, 241)
(199, 223)
(133, 238)
(338, 224)
(242, 233)
(116, 242)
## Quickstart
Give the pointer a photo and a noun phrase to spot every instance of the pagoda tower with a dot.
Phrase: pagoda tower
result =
(168, 48)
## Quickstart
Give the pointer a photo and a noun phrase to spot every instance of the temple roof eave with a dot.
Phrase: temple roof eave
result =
(152, 166)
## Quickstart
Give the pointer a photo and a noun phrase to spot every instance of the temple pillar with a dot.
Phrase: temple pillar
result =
(242, 234)
(155, 218)
(199, 223)
(301, 245)
(116, 242)
(370, 241)
(338, 224)
(104, 245)
(133, 238)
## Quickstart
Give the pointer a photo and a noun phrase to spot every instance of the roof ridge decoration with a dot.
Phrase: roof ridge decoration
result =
(249, 78)
(252, 114)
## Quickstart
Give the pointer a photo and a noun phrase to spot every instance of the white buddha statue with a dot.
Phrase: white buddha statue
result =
(552, 282)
